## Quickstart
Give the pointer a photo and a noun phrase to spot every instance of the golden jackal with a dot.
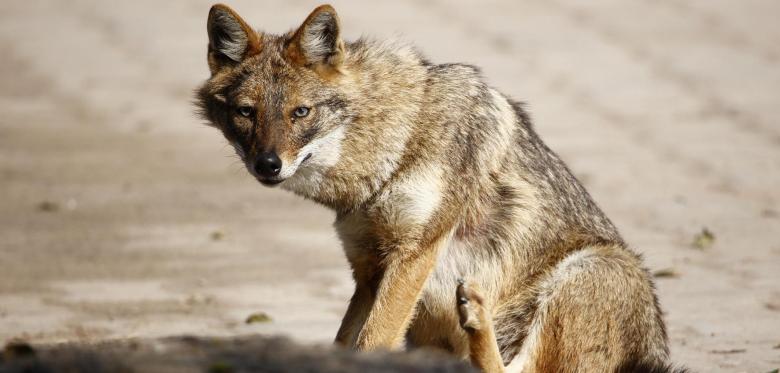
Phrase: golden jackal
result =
(434, 177)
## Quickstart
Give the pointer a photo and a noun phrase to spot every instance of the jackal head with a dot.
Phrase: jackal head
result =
(276, 98)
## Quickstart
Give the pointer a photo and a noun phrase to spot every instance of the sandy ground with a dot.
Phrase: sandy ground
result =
(122, 215)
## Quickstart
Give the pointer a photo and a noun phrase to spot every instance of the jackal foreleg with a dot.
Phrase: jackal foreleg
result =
(406, 269)
(357, 312)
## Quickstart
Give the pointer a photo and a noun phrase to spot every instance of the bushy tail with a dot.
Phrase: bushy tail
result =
(650, 367)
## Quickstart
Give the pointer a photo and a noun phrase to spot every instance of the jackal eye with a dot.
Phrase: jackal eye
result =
(245, 111)
(301, 111)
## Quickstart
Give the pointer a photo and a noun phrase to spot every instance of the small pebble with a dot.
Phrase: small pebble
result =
(48, 206)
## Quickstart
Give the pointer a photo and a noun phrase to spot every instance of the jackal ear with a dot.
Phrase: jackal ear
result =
(230, 38)
(318, 41)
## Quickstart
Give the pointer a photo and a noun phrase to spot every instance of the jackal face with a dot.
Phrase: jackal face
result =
(275, 98)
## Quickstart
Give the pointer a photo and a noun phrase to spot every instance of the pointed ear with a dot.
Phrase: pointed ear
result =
(317, 42)
(230, 38)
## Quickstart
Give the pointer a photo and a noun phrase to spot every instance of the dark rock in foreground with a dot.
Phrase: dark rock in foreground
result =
(214, 355)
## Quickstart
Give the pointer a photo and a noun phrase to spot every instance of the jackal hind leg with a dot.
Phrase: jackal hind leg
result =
(596, 311)
(478, 324)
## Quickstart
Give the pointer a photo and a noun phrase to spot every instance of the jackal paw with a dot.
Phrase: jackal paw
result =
(470, 307)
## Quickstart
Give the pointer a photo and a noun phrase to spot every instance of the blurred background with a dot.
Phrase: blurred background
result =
(122, 215)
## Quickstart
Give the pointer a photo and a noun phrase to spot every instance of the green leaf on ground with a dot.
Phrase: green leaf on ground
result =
(258, 317)
(217, 235)
(704, 239)
(666, 273)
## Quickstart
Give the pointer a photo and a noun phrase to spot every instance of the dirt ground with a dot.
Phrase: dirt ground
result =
(121, 215)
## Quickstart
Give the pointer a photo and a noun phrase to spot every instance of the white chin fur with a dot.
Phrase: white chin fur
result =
(306, 178)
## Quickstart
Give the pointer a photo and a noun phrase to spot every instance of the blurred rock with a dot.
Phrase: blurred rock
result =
(191, 354)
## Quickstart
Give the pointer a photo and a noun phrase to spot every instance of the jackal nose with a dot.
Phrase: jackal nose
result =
(268, 164)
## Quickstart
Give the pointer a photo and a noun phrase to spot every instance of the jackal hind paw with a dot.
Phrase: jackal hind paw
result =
(469, 306)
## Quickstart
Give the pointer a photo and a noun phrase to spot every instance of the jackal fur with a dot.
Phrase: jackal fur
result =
(435, 177)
